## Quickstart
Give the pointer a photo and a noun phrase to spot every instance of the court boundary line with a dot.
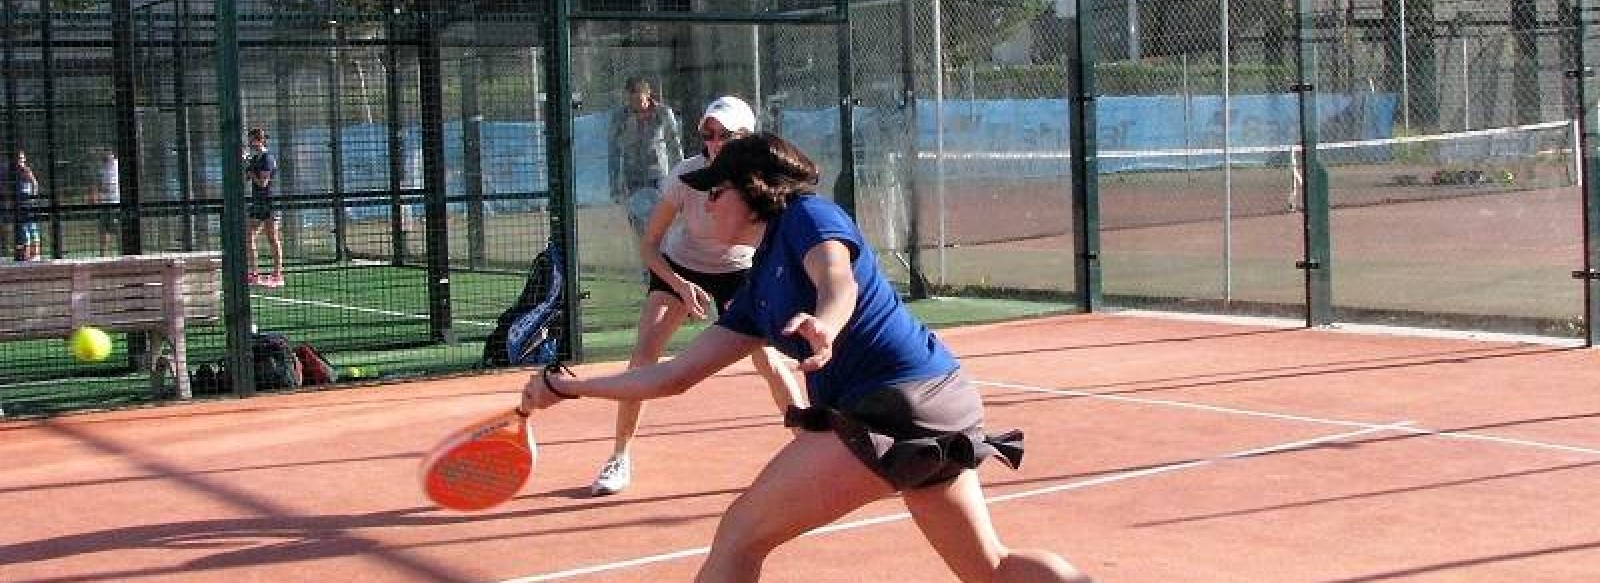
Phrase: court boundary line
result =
(1354, 328)
(1464, 435)
(991, 500)
(331, 305)
(1357, 428)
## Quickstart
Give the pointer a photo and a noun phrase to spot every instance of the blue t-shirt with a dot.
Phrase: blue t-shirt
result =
(23, 190)
(262, 163)
(881, 345)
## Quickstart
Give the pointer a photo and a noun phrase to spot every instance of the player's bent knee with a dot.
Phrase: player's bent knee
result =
(741, 532)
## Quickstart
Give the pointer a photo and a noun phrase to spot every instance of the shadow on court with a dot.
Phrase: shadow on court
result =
(1157, 450)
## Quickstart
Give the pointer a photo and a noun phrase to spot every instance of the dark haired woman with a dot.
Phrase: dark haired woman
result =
(891, 411)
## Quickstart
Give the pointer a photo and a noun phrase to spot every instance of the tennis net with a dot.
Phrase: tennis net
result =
(975, 198)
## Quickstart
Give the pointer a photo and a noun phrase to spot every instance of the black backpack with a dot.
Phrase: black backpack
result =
(276, 365)
(210, 379)
(529, 332)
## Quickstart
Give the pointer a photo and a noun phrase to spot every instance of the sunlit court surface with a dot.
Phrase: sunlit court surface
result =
(1158, 449)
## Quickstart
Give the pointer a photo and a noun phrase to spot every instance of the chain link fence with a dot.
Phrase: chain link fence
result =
(411, 139)
(1445, 128)
(121, 99)
(963, 134)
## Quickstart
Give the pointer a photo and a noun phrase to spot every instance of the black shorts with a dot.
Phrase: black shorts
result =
(915, 434)
(261, 209)
(721, 286)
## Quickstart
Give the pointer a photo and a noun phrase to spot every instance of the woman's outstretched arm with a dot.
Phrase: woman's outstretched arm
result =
(711, 351)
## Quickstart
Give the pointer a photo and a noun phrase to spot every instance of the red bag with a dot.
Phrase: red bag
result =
(316, 369)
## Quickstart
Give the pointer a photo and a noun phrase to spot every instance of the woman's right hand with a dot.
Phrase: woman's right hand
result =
(536, 393)
(818, 334)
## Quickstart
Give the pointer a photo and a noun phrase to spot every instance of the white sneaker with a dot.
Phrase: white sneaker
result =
(614, 476)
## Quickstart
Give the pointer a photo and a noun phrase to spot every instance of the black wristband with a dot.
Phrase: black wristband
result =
(545, 376)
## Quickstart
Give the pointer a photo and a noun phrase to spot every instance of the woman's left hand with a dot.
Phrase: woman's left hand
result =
(696, 299)
(818, 334)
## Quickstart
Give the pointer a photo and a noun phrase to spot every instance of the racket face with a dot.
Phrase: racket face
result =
(481, 465)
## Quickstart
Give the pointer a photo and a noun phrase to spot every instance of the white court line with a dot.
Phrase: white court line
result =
(1359, 428)
(322, 304)
(1179, 404)
(1075, 485)
(1506, 440)
(1351, 328)
(1233, 411)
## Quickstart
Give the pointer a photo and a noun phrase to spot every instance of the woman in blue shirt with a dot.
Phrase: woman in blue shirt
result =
(891, 411)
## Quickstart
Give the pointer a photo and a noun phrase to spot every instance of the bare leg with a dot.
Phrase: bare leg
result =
(785, 501)
(661, 316)
(786, 387)
(252, 228)
(955, 520)
(276, 241)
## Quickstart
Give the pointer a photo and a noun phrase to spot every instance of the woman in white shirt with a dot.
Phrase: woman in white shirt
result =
(692, 272)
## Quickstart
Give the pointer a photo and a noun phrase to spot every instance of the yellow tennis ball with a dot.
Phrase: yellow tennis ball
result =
(89, 344)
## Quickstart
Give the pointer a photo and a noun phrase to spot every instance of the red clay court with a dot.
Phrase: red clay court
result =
(1160, 449)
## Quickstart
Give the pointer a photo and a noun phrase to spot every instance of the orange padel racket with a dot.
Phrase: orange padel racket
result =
(481, 465)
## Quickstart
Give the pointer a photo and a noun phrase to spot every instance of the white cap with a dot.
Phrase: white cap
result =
(733, 113)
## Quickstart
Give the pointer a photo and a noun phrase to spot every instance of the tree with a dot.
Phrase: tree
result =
(972, 27)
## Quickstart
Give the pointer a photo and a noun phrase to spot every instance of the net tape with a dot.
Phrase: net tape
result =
(1511, 141)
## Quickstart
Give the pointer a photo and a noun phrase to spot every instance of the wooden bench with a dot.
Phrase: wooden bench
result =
(159, 295)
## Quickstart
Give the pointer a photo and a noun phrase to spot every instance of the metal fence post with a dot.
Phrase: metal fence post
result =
(1587, 119)
(1085, 166)
(907, 169)
(435, 215)
(472, 158)
(844, 189)
(235, 293)
(395, 127)
(560, 164)
(1314, 188)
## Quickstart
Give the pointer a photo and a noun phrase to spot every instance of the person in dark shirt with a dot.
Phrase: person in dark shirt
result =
(28, 199)
(259, 167)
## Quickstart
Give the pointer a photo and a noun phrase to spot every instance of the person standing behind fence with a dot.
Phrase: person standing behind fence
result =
(107, 194)
(259, 167)
(691, 272)
(26, 189)
(645, 144)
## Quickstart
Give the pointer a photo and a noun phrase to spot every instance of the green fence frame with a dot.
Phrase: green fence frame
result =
(1588, 119)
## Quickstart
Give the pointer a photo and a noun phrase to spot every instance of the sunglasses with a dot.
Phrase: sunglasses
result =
(722, 137)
